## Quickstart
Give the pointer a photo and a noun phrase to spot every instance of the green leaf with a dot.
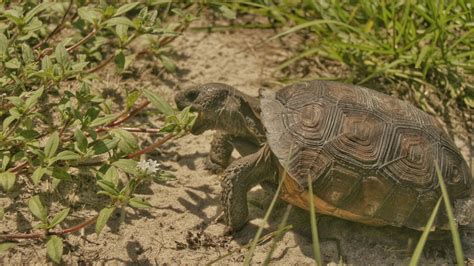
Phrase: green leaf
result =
(59, 217)
(35, 11)
(46, 64)
(27, 53)
(227, 12)
(108, 12)
(67, 156)
(7, 180)
(125, 8)
(37, 208)
(17, 101)
(28, 134)
(132, 98)
(54, 248)
(13, 64)
(6, 246)
(8, 121)
(81, 140)
(14, 16)
(112, 175)
(120, 61)
(119, 21)
(108, 186)
(34, 25)
(159, 103)
(89, 14)
(127, 141)
(5, 161)
(122, 32)
(51, 145)
(127, 165)
(165, 176)
(169, 64)
(103, 120)
(61, 173)
(104, 216)
(37, 174)
(55, 182)
(33, 99)
(61, 55)
(139, 203)
(3, 46)
(103, 146)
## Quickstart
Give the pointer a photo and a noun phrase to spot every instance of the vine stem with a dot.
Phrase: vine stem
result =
(126, 116)
(83, 40)
(151, 147)
(134, 129)
(115, 123)
(43, 235)
(77, 227)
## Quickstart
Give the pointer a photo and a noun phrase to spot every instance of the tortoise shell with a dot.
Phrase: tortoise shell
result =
(371, 157)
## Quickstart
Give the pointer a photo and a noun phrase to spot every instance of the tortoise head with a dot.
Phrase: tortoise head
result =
(219, 106)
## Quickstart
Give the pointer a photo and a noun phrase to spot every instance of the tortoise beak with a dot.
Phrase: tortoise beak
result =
(200, 125)
(187, 98)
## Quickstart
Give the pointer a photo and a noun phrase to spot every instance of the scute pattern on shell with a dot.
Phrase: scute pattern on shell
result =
(366, 152)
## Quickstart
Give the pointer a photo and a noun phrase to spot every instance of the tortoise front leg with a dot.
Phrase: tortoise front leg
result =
(238, 179)
(219, 155)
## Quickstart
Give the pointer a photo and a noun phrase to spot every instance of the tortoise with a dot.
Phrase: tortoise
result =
(369, 157)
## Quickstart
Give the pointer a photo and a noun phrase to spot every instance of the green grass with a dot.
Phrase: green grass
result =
(427, 44)
(279, 236)
(314, 228)
(429, 225)
(424, 237)
(253, 245)
(452, 221)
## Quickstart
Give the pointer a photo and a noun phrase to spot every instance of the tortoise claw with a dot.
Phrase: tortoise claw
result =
(213, 167)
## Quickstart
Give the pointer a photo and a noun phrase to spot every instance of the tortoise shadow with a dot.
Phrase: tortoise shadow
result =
(351, 242)
(195, 203)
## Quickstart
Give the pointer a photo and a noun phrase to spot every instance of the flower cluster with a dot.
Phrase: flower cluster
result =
(148, 167)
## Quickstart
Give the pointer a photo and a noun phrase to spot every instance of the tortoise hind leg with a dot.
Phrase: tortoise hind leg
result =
(238, 179)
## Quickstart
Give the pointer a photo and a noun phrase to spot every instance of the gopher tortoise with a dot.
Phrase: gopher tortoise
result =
(371, 158)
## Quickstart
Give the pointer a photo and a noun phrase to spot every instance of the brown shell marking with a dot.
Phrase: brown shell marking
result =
(368, 154)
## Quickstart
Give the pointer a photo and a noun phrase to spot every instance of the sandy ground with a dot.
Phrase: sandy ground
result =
(180, 228)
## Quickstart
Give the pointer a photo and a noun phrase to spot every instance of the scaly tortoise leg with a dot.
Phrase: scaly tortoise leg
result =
(219, 155)
(238, 179)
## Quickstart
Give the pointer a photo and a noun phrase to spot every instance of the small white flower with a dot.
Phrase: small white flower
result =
(148, 167)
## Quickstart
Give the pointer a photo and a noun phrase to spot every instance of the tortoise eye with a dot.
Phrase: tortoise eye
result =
(191, 95)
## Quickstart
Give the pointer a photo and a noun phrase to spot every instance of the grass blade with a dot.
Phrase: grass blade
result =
(249, 255)
(311, 24)
(314, 226)
(452, 222)
(279, 235)
(264, 238)
(421, 242)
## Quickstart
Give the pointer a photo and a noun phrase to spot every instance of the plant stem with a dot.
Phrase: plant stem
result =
(83, 40)
(151, 147)
(58, 28)
(134, 129)
(47, 233)
(75, 228)
(126, 116)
